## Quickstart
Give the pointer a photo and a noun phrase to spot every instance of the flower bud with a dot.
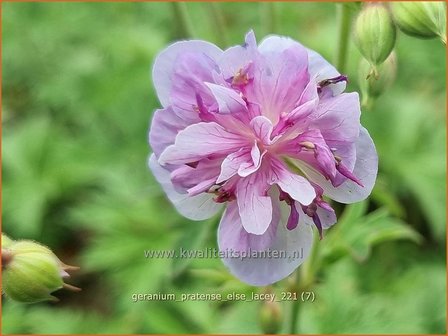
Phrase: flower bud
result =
(33, 272)
(374, 83)
(375, 33)
(270, 317)
(6, 241)
(420, 18)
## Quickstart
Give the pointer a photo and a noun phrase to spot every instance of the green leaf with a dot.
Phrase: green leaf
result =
(376, 228)
(193, 239)
(356, 234)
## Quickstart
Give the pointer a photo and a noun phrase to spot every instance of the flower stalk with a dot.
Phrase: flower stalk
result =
(344, 23)
(184, 28)
(218, 22)
(304, 279)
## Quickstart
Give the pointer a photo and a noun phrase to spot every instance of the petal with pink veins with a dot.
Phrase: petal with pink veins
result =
(255, 206)
(279, 80)
(262, 128)
(199, 141)
(338, 117)
(318, 68)
(250, 167)
(164, 128)
(228, 100)
(233, 236)
(164, 64)
(294, 246)
(295, 185)
(186, 177)
(232, 163)
(198, 207)
(366, 168)
(236, 58)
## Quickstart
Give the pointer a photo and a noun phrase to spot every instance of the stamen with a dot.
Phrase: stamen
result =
(307, 145)
(293, 218)
(240, 79)
(329, 81)
(334, 80)
(214, 189)
(223, 195)
(192, 164)
(311, 211)
(318, 224)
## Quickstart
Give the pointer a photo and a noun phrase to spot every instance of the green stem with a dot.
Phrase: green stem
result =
(295, 312)
(184, 29)
(269, 16)
(304, 281)
(219, 22)
(344, 21)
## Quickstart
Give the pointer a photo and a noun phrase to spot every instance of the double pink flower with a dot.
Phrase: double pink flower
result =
(264, 131)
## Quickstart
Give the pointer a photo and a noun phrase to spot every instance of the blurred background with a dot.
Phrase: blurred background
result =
(76, 106)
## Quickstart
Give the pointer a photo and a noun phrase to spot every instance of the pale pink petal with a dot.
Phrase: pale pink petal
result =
(337, 118)
(295, 185)
(249, 167)
(366, 168)
(232, 163)
(199, 141)
(255, 206)
(233, 236)
(188, 91)
(164, 128)
(164, 64)
(238, 57)
(228, 100)
(262, 128)
(327, 217)
(186, 177)
(319, 155)
(198, 207)
(243, 162)
(279, 80)
(294, 245)
(318, 68)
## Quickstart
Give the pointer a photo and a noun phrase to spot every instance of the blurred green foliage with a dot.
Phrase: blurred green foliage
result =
(77, 102)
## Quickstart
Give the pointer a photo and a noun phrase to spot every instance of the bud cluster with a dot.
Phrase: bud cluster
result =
(375, 35)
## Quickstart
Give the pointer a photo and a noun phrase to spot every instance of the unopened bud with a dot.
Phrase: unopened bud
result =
(373, 85)
(270, 317)
(375, 33)
(6, 241)
(33, 272)
(421, 18)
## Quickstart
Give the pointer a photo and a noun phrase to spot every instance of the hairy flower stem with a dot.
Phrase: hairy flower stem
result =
(183, 26)
(344, 22)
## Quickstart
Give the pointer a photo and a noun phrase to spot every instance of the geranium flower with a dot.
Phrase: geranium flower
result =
(264, 132)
